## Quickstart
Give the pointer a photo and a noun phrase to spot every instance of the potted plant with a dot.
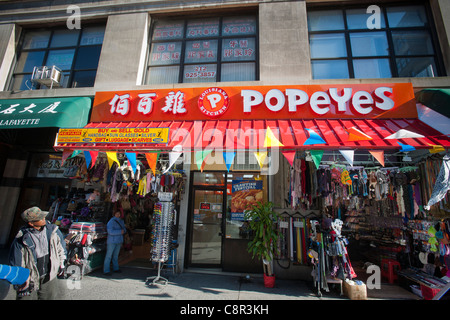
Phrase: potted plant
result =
(262, 219)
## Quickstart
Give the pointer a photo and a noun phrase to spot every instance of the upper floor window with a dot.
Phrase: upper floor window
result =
(401, 45)
(203, 50)
(75, 52)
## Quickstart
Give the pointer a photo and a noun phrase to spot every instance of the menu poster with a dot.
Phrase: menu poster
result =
(244, 194)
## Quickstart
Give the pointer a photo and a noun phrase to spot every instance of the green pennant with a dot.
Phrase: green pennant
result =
(317, 155)
(200, 157)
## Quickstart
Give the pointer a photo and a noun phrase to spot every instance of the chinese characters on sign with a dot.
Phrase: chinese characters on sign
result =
(14, 113)
(174, 103)
(238, 49)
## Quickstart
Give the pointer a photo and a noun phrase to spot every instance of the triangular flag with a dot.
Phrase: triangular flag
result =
(316, 155)
(66, 154)
(173, 156)
(260, 157)
(348, 155)
(152, 159)
(200, 157)
(290, 156)
(379, 155)
(112, 157)
(75, 153)
(357, 135)
(436, 148)
(88, 158)
(229, 158)
(131, 156)
(271, 140)
(402, 133)
(94, 155)
(406, 147)
(314, 138)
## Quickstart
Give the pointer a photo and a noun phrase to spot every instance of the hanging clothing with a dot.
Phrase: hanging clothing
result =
(442, 184)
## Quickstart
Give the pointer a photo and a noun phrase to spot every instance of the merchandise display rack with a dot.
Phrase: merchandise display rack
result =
(163, 216)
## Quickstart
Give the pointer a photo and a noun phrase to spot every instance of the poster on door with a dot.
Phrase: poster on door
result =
(245, 193)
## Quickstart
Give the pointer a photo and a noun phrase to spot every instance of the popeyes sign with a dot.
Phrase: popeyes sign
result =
(358, 101)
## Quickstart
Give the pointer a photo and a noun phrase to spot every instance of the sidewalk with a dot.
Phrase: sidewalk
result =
(131, 284)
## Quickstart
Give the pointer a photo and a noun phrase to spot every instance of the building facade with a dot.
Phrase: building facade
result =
(120, 46)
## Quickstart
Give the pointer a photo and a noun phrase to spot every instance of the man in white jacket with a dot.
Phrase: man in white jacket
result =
(40, 247)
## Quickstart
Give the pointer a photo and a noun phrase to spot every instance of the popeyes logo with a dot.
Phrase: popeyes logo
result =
(213, 102)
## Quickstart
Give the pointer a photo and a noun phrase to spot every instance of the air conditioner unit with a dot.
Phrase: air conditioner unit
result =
(48, 76)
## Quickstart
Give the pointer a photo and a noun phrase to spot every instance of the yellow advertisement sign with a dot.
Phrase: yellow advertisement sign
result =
(114, 135)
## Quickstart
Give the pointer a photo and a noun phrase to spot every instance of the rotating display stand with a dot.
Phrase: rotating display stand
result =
(163, 215)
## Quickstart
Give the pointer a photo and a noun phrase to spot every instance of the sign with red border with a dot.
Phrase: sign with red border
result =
(338, 101)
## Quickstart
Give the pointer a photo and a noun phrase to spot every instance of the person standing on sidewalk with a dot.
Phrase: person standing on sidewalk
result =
(40, 247)
(116, 229)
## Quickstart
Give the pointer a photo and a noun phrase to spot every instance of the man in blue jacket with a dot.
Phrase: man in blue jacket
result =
(116, 230)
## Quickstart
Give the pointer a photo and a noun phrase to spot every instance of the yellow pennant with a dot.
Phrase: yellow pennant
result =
(436, 148)
(260, 157)
(271, 140)
(112, 157)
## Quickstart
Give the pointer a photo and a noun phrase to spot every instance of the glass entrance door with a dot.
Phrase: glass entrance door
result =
(207, 214)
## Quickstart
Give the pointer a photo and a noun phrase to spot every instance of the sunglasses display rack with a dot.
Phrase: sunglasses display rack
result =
(163, 220)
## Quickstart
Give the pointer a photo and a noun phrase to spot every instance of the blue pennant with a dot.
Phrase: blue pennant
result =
(406, 147)
(229, 158)
(314, 138)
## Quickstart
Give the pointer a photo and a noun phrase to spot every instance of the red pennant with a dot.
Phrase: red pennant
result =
(290, 156)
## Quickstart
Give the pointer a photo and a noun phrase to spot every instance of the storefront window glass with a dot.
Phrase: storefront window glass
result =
(369, 44)
(164, 53)
(412, 43)
(357, 19)
(239, 26)
(208, 50)
(200, 73)
(330, 69)
(325, 20)
(371, 68)
(328, 45)
(65, 38)
(238, 71)
(60, 47)
(416, 67)
(203, 28)
(160, 75)
(404, 16)
(61, 58)
(36, 39)
(215, 179)
(201, 51)
(399, 44)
